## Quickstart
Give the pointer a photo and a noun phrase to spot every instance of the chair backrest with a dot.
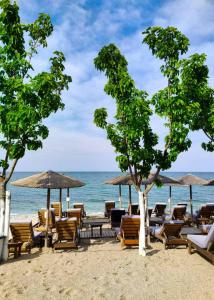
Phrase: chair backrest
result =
(75, 213)
(210, 236)
(207, 210)
(159, 209)
(116, 215)
(22, 231)
(133, 209)
(58, 208)
(179, 212)
(170, 229)
(66, 229)
(42, 217)
(182, 204)
(108, 206)
(130, 226)
(80, 205)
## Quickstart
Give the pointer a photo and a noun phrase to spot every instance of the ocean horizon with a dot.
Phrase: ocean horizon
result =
(94, 194)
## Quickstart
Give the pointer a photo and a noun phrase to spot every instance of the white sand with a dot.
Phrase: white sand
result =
(99, 269)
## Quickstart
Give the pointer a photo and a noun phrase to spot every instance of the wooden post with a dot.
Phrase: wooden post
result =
(47, 217)
(170, 199)
(190, 200)
(130, 194)
(120, 196)
(68, 198)
(60, 200)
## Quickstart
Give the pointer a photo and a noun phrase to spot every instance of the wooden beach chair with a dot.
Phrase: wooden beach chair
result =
(57, 208)
(75, 213)
(203, 244)
(67, 234)
(179, 212)
(169, 234)
(80, 205)
(23, 232)
(42, 218)
(108, 206)
(159, 209)
(116, 215)
(129, 231)
(133, 209)
(205, 213)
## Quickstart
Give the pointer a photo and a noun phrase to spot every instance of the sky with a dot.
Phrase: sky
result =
(81, 29)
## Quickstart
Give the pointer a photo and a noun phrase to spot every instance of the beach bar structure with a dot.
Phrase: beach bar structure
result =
(48, 180)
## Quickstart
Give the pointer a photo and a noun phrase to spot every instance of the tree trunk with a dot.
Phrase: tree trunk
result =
(4, 221)
(142, 235)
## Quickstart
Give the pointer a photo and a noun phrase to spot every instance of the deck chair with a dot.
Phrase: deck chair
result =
(129, 231)
(67, 234)
(116, 215)
(80, 205)
(23, 232)
(58, 208)
(42, 218)
(133, 209)
(108, 206)
(179, 212)
(203, 244)
(159, 209)
(75, 213)
(205, 213)
(169, 234)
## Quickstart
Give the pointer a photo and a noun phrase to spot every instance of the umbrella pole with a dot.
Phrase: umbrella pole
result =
(68, 198)
(130, 194)
(47, 218)
(60, 200)
(120, 196)
(170, 198)
(190, 200)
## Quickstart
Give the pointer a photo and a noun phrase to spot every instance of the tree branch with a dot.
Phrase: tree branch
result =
(12, 170)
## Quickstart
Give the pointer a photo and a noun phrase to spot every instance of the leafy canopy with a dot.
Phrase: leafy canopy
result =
(131, 135)
(26, 99)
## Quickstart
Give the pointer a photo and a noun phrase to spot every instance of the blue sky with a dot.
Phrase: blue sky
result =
(81, 28)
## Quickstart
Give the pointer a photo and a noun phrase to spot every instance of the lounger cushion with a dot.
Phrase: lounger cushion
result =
(210, 236)
(199, 240)
(155, 231)
(205, 228)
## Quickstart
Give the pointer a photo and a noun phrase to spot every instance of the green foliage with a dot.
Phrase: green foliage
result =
(131, 135)
(194, 74)
(26, 100)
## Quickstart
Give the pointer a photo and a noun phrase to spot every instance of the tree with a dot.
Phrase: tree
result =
(131, 135)
(194, 74)
(26, 99)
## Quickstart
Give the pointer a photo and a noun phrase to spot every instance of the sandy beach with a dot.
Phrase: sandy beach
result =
(99, 269)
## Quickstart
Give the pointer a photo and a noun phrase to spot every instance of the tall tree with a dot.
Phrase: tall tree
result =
(26, 98)
(131, 135)
(194, 74)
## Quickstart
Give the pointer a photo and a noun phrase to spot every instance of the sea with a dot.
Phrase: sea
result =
(26, 201)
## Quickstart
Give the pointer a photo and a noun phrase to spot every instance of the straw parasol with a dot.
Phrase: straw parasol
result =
(191, 180)
(122, 180)
(48, 180)
(210, 182)
(127, 180)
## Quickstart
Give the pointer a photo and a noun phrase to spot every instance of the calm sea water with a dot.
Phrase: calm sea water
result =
(95, 192)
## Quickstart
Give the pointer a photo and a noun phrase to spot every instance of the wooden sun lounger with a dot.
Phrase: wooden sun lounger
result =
(169, 234)
(23, 232)
(129, 231)
(159, 209)
(203, 244)
(80, 205)
(179, 212)
(57, 208)
(42, 218)
(67, 234)
(108, 206)
(75, 213)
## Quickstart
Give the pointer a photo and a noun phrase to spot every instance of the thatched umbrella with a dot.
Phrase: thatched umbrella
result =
(210, 182)
(122, 180)
(127, 180)
(191, 180)
(48, 180)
